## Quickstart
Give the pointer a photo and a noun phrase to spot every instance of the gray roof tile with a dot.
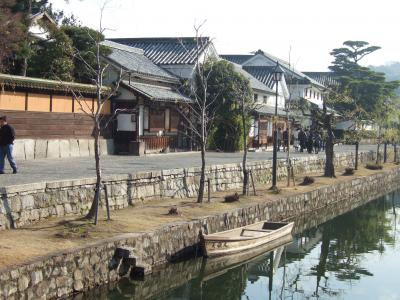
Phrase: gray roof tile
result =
(157, 93)
(327, 79)
(167, 51)
(134, 60)
(254, 82)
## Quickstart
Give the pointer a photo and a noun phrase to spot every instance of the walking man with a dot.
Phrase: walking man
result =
(279, 138)
(302, 140)
(7, 137)
(285, 136)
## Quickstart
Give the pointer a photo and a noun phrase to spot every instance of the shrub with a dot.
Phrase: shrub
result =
(374, 166)
(348, 171)
(232, 198)
(308, 180)
(173, 211)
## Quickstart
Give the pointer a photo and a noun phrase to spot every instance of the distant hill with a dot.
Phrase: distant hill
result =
(391, 70)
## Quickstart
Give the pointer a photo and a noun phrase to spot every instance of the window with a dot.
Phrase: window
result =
(255, 97)
(314, 94)
(265, 99)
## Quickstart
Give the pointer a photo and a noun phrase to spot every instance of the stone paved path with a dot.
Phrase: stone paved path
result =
(74, 168)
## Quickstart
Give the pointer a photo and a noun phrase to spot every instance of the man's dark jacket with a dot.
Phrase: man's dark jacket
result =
(7, 135)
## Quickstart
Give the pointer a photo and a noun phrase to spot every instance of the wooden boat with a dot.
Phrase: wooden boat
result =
(243, 238)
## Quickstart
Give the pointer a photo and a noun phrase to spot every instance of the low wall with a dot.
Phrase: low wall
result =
(25, 204)
(80, 269)
(28, 149)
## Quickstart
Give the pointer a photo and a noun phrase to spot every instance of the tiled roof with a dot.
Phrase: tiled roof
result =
(133, 59)
(263, 74)
(157, 93)
(167, 51)
(13, 82)
(327, 79)
(254, 82)
(294, 75)
(269, 110)
(237, 58)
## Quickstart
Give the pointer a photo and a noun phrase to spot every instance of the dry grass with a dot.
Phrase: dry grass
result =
(17, 246)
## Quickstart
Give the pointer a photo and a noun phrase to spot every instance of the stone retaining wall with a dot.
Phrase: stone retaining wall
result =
(80, 269)
(28, 149)
(25, 204)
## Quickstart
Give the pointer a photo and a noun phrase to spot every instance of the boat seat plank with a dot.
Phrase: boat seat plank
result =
(257, 230)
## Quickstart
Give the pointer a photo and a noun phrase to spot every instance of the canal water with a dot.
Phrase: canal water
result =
(352, 256)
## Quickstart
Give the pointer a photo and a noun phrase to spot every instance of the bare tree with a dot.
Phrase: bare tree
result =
(103, 95)
(201, 113)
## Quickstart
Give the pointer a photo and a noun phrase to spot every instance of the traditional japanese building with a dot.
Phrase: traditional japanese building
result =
(148, 103)
(302, 90)
(261, 131)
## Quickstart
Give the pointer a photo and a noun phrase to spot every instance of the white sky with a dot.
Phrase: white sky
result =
(311, 28)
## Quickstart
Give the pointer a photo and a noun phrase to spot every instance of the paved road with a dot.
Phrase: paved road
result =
(70, 168)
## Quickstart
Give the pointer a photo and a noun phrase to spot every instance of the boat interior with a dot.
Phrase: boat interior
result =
(255, 230)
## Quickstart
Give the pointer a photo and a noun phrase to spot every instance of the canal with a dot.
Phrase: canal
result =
(352, 256)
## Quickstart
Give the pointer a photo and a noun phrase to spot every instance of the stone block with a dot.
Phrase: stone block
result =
(30, 149)
(40, 149)
(83, 147)
(23, 283)
(53, 149)
(64, 148)
(36, 277)
(27, 202)
(19, 149)
(73, 148)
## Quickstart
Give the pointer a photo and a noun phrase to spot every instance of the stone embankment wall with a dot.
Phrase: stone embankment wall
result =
(80, 269)
(25, 204)
(28, 149)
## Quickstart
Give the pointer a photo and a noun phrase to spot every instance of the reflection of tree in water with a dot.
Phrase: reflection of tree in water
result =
(344, 241)
(230, 285)
(346, 238)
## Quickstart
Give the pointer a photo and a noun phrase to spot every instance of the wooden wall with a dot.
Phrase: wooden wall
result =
(41, 125)
(42, 102)
(45, 116)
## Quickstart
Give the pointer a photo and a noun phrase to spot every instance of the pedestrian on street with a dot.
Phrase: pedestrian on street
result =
(302, 139)
(310, 142)
(317, 142)
(7, 137)
(279, 138)
(285, 137)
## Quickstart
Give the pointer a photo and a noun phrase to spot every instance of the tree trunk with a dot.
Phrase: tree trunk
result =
(385, 152)
(93, 212)
(329, 153)
(244, 164)
(378, 155)
(378, 148)
(356, 159)
(202, 174)
(24, 67)
(395, 152)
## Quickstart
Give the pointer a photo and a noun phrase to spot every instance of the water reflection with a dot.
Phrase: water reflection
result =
(353, 256)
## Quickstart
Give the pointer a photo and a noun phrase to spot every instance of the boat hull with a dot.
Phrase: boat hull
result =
(242, 239)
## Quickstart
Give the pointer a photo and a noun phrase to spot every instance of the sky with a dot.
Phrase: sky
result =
(303, 30)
